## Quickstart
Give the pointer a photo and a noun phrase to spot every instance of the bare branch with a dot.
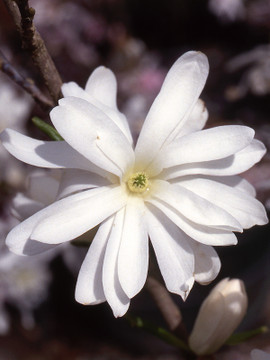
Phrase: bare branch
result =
(23, 16)
(14, 12)
(164, 302)
(27, 84)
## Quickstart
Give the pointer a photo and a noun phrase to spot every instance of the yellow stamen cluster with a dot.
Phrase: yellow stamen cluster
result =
(138, 182)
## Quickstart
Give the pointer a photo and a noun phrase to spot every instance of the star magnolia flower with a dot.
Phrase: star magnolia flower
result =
(179, 187)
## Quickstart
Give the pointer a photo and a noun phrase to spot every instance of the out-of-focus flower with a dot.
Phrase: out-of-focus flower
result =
(228, 10)
(179, 186)
(220, 314)
(256, 78)
(12, 116)
(24, 284)
(259, 355)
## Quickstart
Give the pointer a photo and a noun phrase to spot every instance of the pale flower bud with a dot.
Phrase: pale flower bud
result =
(219, 315)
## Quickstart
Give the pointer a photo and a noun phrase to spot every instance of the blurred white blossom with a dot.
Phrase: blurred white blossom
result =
(24, 284)
(228, 10)
(179, 186)
(219, 315)
(13, 116)
(259, 355)
(256, 75)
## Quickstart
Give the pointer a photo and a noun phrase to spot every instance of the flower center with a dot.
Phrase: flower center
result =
(138, 182)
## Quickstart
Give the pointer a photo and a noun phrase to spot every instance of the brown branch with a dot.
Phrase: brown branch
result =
(27, 84)
(165, 303)
(23, 16)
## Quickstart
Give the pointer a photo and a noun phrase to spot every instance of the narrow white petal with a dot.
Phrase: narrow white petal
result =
(102, 85)
(48, 154)
(89, 288)
(207, 262)
(174, 255)
(113, 291)
(133, 252)
(105, 105)
(232, 165)
(194, 207)
(19, 238)
(73, 181)
(196, 120)
(93, 134)
(179, 93)
(79, 213)
(203, 234)
(206, 145)
(245, 208)
(237, 182)
(73, 89)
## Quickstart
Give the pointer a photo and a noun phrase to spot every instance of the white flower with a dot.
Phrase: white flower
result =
(179, 186)
(259, 355)
(220, 314)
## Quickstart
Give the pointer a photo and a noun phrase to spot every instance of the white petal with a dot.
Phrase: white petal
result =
(203, 234)
(133, 252)
(206, 145)
(48, 154)
(72, 89)
(245, 208)
(89, 288)
(73, 181)
(19, 238)
(207, 262)
(114, 293)
(78, 213)
(179, 93)
(88, 130)
(102, 85)
(22, 206)
(232, 165)
(196, 120)
(174, 255)
(237, 182)
(194, 207)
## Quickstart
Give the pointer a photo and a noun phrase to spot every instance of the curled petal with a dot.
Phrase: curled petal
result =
(206, 145)
(93, 134)
(133, 251)
(174, 255)
(243, 207)
(76, 214)
(178, 95)
(196, 120)
(89, 287)
(231, 165)
(48, 154)
(113, 290)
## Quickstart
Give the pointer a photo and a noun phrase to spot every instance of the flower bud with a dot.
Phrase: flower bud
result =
(219, 315)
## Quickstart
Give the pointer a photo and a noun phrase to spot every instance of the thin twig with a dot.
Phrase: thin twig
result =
(23, 16)
(164, 302)
(27, 84)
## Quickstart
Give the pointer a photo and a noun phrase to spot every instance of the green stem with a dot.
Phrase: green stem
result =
(47, 129)
(158, 331)
(243, 336)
